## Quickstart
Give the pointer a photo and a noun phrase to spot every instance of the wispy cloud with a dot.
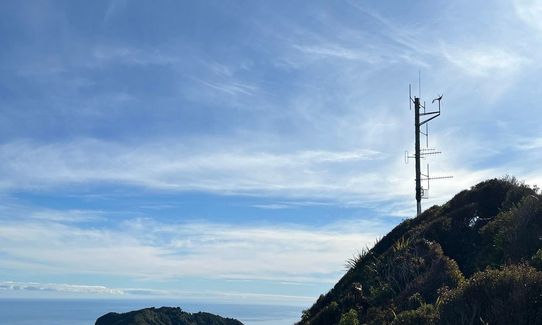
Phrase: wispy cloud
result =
(365, 178)
(485, 62)
(397, 42)
(335, 51)
(146, 249)
(74, 216)
(231, 88)
(58, 287)
(530, 11)
(275, 206)
(61, 289)
(179, 167)
(531, 143)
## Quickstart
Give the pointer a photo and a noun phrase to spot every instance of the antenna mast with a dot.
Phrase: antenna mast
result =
(422, 118)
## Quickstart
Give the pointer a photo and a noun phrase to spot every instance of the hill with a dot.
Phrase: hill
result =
(164, 316)
(474, 260)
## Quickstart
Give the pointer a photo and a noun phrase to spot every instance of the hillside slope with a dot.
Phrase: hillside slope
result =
(474, 260)
(164, 316)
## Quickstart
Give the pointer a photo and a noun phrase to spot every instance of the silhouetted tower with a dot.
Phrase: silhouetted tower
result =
(422, 118)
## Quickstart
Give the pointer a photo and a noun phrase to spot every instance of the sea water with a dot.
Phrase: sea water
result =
(86, 311)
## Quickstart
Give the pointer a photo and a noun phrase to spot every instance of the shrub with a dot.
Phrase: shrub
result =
(379, 316)
(349, 318)
(329, 315)
(426, 314)
(518, 191)
(508, 296)
(440, 271)
(515, 233)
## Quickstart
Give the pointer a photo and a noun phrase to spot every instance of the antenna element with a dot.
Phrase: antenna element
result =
(421, 118)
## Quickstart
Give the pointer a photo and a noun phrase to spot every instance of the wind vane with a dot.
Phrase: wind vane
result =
(422, 118)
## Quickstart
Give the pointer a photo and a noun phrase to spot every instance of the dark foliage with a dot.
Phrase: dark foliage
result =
(425, 265)
(425, 314)
(512, 295)
(164, 316)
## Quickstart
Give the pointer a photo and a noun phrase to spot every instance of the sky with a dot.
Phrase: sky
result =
(241, 151)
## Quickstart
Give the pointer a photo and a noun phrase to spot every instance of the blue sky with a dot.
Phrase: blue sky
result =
(243, 150)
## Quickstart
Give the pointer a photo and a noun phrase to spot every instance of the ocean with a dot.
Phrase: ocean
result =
(86, 311)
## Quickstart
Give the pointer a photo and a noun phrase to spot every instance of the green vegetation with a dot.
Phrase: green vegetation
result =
(349, 318)
(475, 260)
(164, 316)
(512, 295)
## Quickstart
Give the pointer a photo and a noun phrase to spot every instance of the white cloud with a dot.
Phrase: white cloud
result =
(37, 289)
(335, 51)
(231, 87)
(484, 62)
(530, 11)
(145, 249)
(362, 177)
(531, 143)
(274, 206)
(218, 169)
(58, 287)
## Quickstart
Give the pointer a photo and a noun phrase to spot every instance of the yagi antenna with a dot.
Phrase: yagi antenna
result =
(422, 118)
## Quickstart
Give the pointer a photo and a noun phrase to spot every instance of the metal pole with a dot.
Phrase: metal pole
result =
(418, 156)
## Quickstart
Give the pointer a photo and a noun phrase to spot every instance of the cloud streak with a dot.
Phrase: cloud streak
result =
(147, 249)
(358, 177)
(58, 287)
(64, 289)
(485, 62)
(181, 168)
